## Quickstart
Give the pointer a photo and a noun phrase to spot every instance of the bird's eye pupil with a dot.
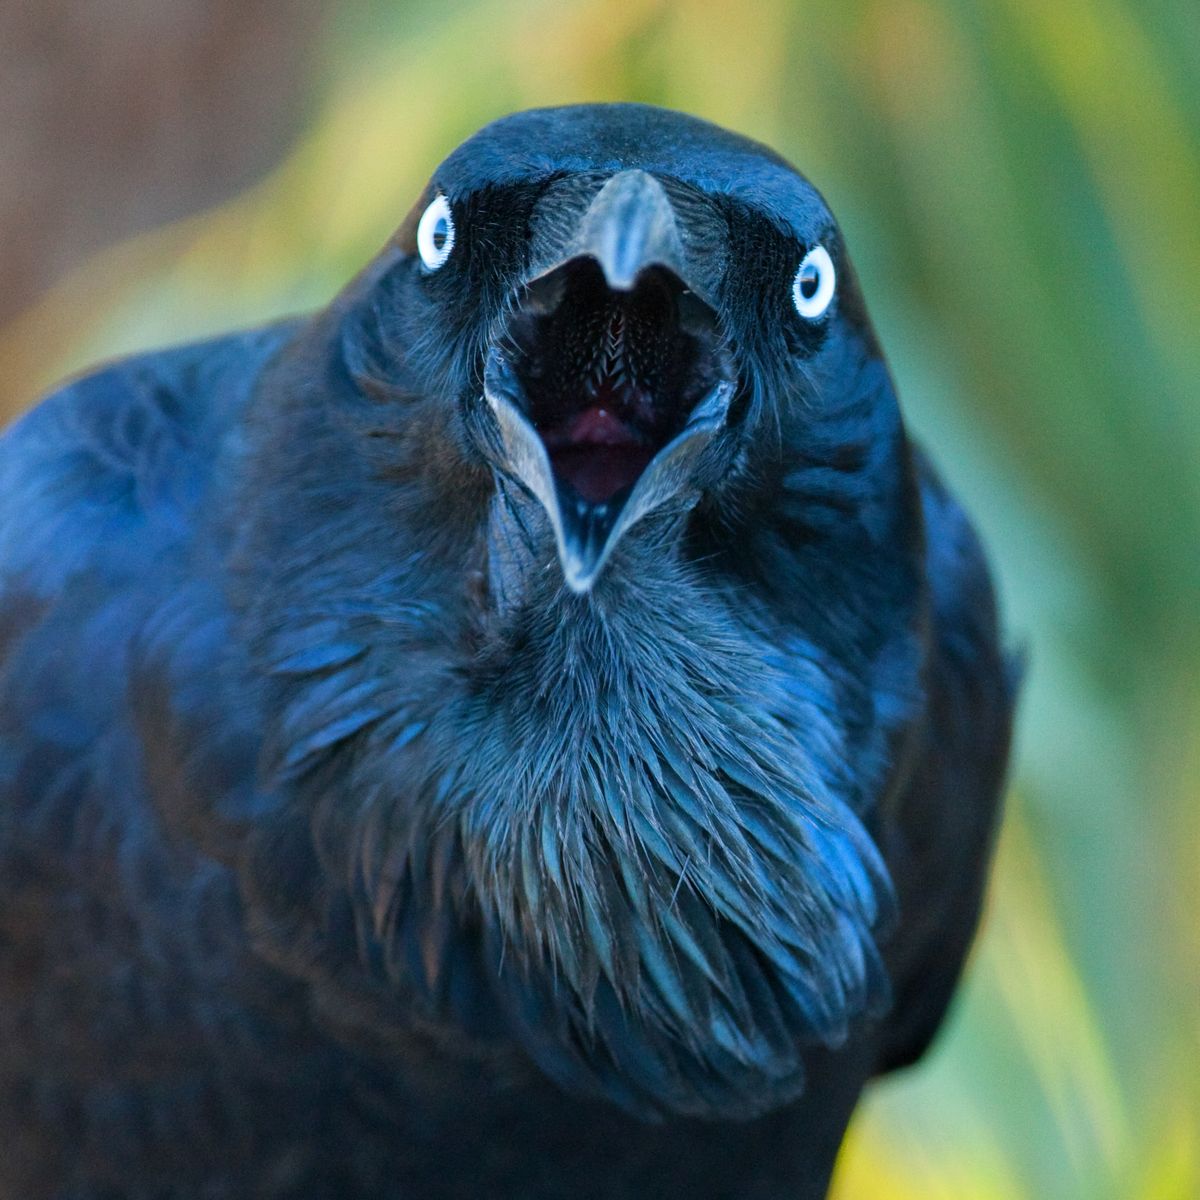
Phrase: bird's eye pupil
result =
(809, 281)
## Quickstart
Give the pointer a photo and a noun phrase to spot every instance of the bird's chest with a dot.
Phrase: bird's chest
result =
(455, 1129)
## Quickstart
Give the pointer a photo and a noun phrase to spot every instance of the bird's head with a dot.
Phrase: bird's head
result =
(627, 305)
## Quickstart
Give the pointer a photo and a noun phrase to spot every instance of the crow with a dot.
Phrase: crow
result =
(531, 729)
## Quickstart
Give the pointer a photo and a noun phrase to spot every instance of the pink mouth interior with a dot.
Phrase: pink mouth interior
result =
(597, 453)
(609, 377)
(603, 448)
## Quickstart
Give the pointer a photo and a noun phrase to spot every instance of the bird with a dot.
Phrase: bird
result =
(532, 728)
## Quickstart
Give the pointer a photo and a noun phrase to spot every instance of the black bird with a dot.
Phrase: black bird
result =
(532, 729)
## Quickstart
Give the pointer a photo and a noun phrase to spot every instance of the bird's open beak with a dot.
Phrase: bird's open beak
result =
(610, 381)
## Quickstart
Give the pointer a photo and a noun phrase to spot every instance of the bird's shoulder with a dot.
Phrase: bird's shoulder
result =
(111, 464)
(962, 593)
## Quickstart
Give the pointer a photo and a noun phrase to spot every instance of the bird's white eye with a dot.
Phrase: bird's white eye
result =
(812, 289)
(435, 233)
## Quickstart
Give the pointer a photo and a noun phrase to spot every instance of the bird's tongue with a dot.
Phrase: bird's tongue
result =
(598, 453)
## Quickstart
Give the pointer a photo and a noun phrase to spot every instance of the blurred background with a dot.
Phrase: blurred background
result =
(1019, 181)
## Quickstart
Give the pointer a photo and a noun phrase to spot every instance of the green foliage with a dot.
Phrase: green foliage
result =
(1020, 183)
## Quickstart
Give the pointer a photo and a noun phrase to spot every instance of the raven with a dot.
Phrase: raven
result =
(531, 729)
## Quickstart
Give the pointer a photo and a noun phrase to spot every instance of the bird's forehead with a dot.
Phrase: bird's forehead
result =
(605, 138)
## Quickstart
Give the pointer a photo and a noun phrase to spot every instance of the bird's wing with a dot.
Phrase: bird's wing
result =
(945, 820)
(101, 487)
(104, 491)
